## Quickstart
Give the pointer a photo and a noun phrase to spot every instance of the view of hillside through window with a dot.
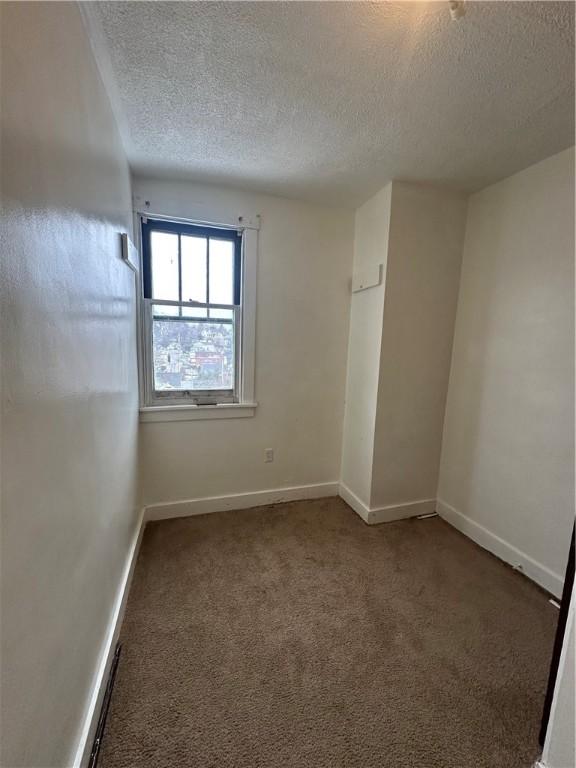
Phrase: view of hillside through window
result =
(193, 347)
(193, 355)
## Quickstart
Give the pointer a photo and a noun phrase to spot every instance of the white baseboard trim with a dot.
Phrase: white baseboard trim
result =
(539, 573)
(546, 578)
(353, 501)
(207, 505)
(92, 713)
(402, 511)
(387, 514)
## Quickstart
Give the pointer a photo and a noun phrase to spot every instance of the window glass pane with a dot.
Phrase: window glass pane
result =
(193, 354)
(225, 314)
(164, 247)
(194, 312)
(194, 268)
(221, 272)
(164, 310)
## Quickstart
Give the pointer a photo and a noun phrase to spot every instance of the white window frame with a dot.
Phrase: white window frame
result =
(182, 407)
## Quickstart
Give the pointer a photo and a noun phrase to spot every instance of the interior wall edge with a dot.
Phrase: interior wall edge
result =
(354, 501)
(393, 512)
(386, 514)
(560, 742)
(424, 248)
(370, 249)
(537, 572)
(101, 55)
(81, 752)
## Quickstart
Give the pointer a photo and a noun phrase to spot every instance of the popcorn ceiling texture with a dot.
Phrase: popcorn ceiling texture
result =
(329, 101)
(296, 636)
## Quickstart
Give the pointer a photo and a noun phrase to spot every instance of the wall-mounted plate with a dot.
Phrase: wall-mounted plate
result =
(368, 277)
(129, 252)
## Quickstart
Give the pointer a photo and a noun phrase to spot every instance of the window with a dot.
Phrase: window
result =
(192, 314)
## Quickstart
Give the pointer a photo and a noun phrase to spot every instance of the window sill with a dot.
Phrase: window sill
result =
(197, 412)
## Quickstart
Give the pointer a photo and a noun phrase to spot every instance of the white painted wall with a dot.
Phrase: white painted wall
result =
(560, 747)
(372, 222)
(303, 299)
(423, 271)
(399, 349)
(507, 469)
(69, 410)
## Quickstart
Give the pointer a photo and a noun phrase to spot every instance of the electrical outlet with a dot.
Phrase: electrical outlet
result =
(268, 455)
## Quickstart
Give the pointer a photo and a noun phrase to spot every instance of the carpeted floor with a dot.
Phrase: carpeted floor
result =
(296, 636)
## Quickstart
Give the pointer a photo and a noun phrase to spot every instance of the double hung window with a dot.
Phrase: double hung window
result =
(192, 313)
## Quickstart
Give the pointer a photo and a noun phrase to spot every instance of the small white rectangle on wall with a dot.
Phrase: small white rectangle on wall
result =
(369, 277)
(129, 252)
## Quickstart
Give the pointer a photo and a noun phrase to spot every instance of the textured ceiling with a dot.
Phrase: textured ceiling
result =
(329, 101)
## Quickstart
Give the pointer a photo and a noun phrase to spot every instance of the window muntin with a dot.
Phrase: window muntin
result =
(192, 312)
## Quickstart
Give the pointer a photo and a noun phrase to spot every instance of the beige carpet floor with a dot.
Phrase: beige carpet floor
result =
(297, 636)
